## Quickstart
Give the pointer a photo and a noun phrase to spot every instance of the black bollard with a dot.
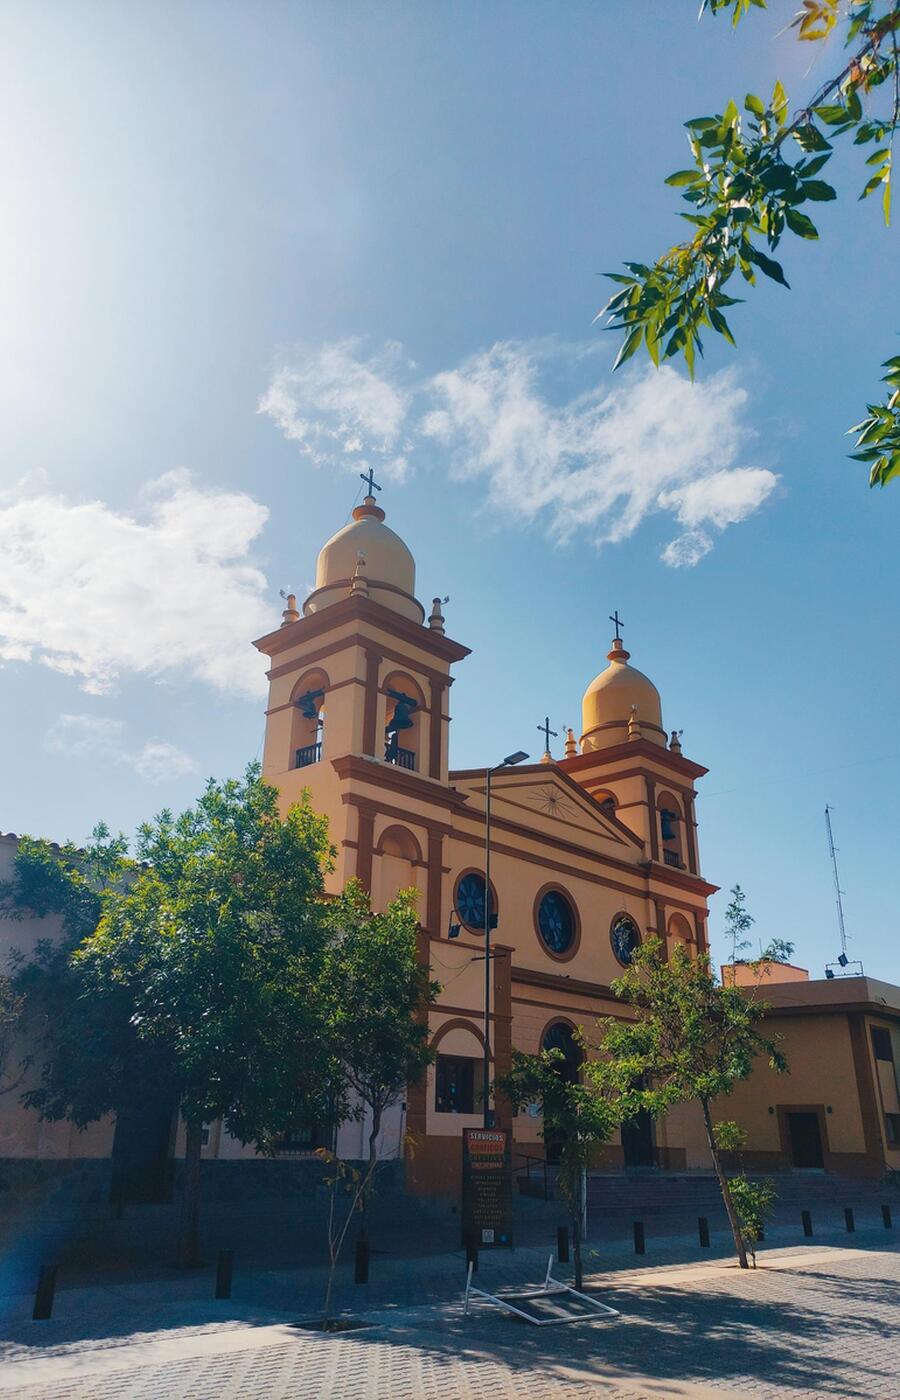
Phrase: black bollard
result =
(361, 1267)
(43, 1298)
(886, 1216)
(807, 1222)
(472, 1252)
(703, 1228)
(639, 1237)
(562, 1243)
(224, 1268)
(848, 1219)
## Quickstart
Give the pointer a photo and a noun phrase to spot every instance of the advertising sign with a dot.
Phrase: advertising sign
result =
(487, 1187)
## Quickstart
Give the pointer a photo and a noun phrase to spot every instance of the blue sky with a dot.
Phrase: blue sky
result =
(383, 226)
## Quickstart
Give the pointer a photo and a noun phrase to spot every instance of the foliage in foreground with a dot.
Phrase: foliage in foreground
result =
(691, 1040)
(755, 176)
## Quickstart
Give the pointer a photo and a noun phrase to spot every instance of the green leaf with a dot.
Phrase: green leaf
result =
(684, 177)
(886, 201)
(754, 105)
(817, 190)
(629, 345)
(798, 223)
(870, 186)
(779, 104)
(831, 115)
(768, 265)
(879, 157)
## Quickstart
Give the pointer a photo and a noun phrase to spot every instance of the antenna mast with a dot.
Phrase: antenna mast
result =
(843, 961)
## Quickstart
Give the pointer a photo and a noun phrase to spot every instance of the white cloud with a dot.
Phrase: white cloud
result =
(598, 463)
(90, 736)
(167, 592)
(332, 400)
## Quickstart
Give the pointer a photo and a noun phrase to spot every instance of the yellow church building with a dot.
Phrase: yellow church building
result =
(589, 852)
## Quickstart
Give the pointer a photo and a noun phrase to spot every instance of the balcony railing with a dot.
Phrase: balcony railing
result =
(403, 758)
(310, 753)
(672, 858)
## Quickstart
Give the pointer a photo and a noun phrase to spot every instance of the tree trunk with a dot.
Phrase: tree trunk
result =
(724, 1187)
(576, 1243)
(189, 1250)
(370, 1174)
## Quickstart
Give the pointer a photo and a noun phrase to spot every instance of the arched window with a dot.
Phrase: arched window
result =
(671, 829)
(607, 802)
(403, 721)
(398, 865)
(560, 1036)
(308, 723)
(679, 930)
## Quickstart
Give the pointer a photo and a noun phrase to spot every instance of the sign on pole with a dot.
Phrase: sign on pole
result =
(487, 1187)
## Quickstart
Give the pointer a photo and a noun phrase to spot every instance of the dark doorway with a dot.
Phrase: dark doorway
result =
(560, 1037)
(805, 1135)
(141, 1154)
(637, 1141)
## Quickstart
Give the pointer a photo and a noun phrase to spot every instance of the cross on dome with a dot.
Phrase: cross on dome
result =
(614, 617)
(369, 478)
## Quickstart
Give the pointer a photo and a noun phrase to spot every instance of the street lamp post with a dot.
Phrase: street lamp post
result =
(489, 921)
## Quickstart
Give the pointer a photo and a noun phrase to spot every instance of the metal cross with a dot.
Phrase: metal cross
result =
(547, 731)
(614, 617)
(369, 479)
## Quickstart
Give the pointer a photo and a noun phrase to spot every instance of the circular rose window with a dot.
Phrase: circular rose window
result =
(625, 938)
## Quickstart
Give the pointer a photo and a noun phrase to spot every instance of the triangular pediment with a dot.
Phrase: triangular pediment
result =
(546, 800)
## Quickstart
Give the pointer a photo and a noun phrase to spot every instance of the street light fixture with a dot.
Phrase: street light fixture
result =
(490, 922)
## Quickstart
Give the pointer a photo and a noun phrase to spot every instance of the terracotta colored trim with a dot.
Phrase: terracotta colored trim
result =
(661, 929)
(559, 982)
(555, 1006)
(454, 1024)
(836, 1008)
(532, 770)
(400, 780)
(623, 724)
(502, 1000)
(435, 728)
(364, 852)
(690, 828)
(358, 609)
(636, 891)
(470, 1011)
(667, 874)
(417, 1092)
(574, 946)
(865, 1086)
(435, 901)
(370, 707)
(632, 749)
(310, 658)
(654, 824)
(418, 859)
(384, 809)
(403, 673)
(338, 685)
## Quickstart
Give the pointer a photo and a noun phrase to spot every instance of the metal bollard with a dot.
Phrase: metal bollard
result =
(562, 1243)
(224, 1268)
(703, 1228)
(848, 1219)
(886, 1217)
(807, 1222)
(361, 1267)
(43, 1298)
(472, 1252)
(639, 1244)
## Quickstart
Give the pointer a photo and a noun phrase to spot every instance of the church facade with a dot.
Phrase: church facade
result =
(590, 852)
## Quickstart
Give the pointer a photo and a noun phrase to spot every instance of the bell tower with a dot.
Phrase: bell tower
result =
(358, 710)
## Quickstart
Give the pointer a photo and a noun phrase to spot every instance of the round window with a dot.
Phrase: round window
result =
(556, 922)
(470, 900)
(625, 938)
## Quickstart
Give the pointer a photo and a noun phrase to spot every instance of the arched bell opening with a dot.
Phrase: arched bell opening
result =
(403, 722)
(671, 829)
(308, 720)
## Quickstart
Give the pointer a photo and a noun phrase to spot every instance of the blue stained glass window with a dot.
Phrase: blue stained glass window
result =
(556, 922)
(625, 938)
(470, 900)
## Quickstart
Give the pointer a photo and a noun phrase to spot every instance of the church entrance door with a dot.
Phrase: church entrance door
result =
(805, 1136)
(141, 1160)
(637, 1141)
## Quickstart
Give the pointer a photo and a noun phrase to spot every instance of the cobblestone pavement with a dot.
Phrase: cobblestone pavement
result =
(811, 1321)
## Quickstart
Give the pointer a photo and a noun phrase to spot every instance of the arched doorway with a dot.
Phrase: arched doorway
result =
(560, 1036)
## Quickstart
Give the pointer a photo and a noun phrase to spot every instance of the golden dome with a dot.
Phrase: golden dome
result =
(619, 695)
(367, 550)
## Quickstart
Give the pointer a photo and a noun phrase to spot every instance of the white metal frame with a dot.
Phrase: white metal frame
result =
(551, 1288)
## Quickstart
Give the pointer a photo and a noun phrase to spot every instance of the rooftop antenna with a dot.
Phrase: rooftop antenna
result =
(843, 961)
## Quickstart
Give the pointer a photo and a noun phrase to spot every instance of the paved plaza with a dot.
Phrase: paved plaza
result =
(815, 1320)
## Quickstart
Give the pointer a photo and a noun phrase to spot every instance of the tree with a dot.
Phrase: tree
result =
(691, 1040)
(750, 176)
(738, 923)
(11, 1005)
(204, 963)
(578, 1116)
(377, 994)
